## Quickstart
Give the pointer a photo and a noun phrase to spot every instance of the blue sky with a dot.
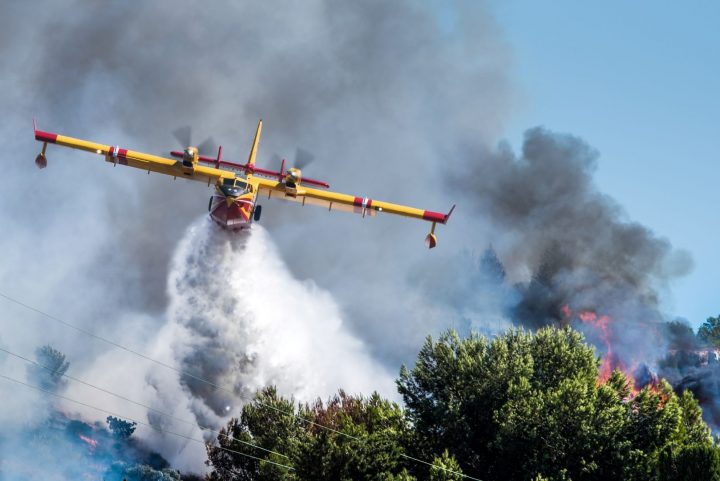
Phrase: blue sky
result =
(640, 82)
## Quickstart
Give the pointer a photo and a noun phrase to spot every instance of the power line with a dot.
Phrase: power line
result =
(164, 431)
(150, 408)
(168, 366)
(215, 386)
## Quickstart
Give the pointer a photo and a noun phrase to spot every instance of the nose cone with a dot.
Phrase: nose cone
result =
(232, 213)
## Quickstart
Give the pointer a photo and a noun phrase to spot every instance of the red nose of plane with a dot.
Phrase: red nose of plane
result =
(231, 213)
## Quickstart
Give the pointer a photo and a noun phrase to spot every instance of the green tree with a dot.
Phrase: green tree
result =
(50, 368)
(690, 463)
(526, 406)
(139, 472)
(445, 468)
(271, 422)
(371, 449)
(119, 428)
(375, 449)
(709, 332)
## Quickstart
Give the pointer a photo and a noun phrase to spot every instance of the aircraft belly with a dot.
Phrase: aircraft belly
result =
(235, 216)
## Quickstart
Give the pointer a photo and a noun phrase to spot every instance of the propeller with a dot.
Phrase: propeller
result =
(184, 136)
(302, 159)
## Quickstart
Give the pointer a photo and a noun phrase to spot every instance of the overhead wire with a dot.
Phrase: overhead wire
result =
(150, 408)
(168, 366)
(141, 423)
(216, 386)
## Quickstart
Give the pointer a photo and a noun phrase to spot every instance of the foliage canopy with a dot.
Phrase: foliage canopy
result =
(520, 406)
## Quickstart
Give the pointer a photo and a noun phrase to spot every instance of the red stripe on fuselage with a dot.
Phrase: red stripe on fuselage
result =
(46, 136)
(122, 155)
(358, 201)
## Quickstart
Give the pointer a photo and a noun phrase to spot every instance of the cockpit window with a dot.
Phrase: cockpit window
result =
(235, 187)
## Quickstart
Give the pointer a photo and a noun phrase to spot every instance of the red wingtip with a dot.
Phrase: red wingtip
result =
(447, 217)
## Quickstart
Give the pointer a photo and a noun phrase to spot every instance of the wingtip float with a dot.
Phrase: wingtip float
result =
(239, 187)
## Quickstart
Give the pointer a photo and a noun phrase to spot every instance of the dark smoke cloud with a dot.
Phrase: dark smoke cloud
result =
(573, 256)
(554, 222)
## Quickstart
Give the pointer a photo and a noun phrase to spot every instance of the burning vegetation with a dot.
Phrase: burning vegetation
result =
(629, 332)
(520, 406)
(65, 447)
(523, 405)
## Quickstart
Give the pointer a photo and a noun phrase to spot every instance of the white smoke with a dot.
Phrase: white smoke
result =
(237, 318)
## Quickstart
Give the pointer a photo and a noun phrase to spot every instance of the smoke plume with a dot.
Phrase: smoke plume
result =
(571, 254)
(398, 101)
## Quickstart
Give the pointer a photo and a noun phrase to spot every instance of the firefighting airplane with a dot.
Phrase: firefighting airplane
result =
(238, 187)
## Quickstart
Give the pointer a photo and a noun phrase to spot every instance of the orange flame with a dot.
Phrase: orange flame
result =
(610, 361)
(602, 324)
(91, 442)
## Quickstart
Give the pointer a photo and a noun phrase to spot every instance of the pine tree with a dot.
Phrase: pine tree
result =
(492, 271)
(121, 429)
(50, 368)
(709, 332)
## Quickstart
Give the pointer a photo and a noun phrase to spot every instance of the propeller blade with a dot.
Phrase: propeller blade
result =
(184, 136)
(207, 147)
(303, 158)
(275, 159)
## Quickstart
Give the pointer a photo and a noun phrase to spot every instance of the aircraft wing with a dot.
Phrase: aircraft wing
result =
(117, 155)
(345, 202)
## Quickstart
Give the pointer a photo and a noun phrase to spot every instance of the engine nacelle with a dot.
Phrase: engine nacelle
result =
(292, 180)
(293, 176)
(189, 160)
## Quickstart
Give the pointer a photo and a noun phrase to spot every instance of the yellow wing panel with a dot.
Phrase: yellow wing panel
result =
(139, 160)
(344, 202)
(268, 193)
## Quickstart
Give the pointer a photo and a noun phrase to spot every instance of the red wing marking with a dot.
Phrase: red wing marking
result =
(362, 205)
(118, 153)
(434, 216)
(46, 136)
